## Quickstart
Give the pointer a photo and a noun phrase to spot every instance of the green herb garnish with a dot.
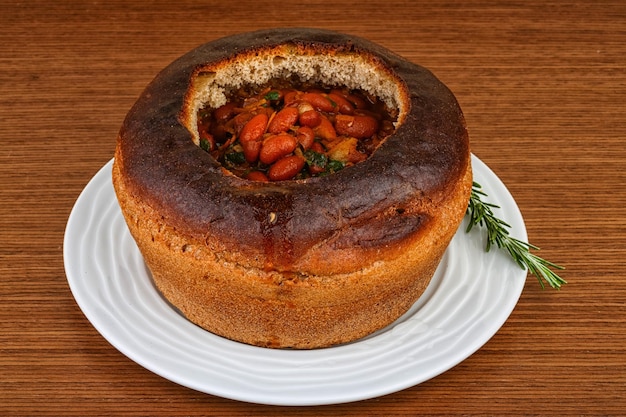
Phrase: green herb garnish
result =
(334, 166)
(205, 144)
(315, 159)
(235, 158)
(272, 95)
(481, 213)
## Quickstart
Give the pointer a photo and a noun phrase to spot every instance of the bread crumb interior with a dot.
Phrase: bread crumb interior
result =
(211, 85)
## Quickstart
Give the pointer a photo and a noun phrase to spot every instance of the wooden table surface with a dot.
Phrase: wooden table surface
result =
(543, 88)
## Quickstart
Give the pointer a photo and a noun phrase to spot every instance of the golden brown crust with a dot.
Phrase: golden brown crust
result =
(299, 263)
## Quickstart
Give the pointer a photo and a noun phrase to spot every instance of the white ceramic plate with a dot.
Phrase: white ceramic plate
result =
(470, 297)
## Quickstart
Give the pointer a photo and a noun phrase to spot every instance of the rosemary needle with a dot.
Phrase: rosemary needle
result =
(480, 213)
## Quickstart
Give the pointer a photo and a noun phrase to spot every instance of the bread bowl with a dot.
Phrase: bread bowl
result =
(305, 263)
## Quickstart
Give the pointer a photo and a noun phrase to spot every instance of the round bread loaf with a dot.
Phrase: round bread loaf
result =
(301, 263)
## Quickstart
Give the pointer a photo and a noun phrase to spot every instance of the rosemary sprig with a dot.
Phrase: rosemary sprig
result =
(480, 213)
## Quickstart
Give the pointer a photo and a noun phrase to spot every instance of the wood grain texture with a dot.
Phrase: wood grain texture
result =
(542, 85)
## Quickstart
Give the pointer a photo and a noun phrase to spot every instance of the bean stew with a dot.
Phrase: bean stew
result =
(284, 131)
